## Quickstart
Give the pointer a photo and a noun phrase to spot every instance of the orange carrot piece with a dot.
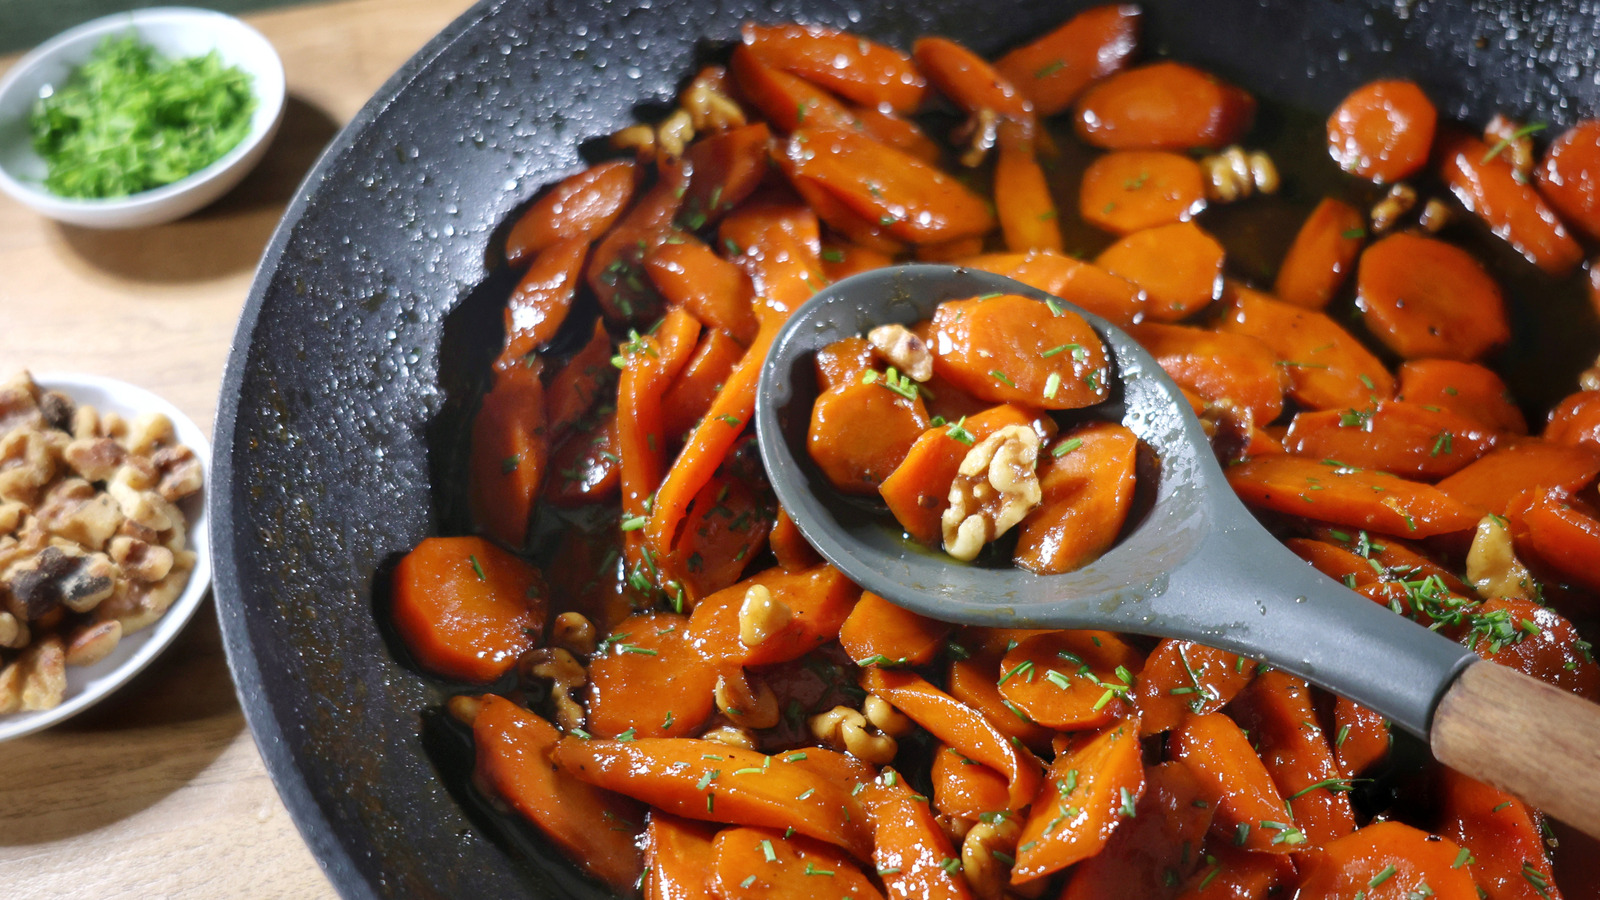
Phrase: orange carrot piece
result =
(851, 66)
(1321, 256)
(1569, 177)
(1148, 857)
(582, 380)
(1075, 281)
(615, 272)
(1402, 438)
(790, 546)
(784, 100)
(973, 681)
(744, 787)
(1382, 131)
(898, 132)
(1163, 106)
(1028, 217)
(969, 81)
(648, 680)
(1386, 861)
(1178, 266)
(762, 864)
(649, 365)
(1329, 491)
(726, 169)
(918, 490)
(508, 453)
(843, 362)
(1093, 785)
(964, 788)
(1500, 832)
(677, 855)
(820, 600)
(725, 528)
(1558, 533)
(914, 200)
(1071, 680)
(1247, 801)
(839, 216)
(1361, 737)
(1233, 874)
(465, 608)
(1575, 420)
(840, 261)
(1087, 481)
(587, 467)
(1052, 70)
(542, 298)
(958, 725)
(860, 433)
(877, 631)
(1220, 366)
(1490, 484)
(1425, 298)
(1180, 680)
(1467, 389)
(581, 207)
(1334, 561)
(1536, 640)
(1275, 710)
(779, 245)
(595, 828)
(1486, 185)
(687, 273)
(1012, 349)
(696, 387)
(1131, 190)
(1327, 367)
(909, 848)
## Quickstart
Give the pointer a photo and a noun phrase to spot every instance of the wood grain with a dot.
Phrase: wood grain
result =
(159, 791)
(1525, 737)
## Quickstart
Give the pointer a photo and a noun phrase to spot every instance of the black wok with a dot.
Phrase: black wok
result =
(354, 362)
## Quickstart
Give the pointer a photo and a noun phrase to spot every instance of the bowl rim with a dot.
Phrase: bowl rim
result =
(139, 649)
(270, 99)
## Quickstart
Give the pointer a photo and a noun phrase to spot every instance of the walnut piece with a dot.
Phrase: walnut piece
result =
(1492, 567)
(57, 577)
(903, 350)
(996, 486)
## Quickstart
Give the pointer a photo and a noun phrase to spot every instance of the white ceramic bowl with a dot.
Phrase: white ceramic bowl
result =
(87, 685)
(175, 32)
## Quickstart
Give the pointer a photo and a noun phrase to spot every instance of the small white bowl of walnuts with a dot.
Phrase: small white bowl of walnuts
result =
(104, 550)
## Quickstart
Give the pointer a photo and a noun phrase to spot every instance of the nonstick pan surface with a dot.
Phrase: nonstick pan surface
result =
(355, 363)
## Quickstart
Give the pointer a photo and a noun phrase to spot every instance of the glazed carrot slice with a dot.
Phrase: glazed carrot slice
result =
(820, 600)
(649, 365)
(1180, 680)
(1535, 640)
(1071, 680)
(586, 466)
(866, 72)
(1569, 176)
(918, 490)
(897, 131)
(582, 379)
(969, 81)
(779, 245)
(581, 207)
(1022, 200)
(1383, 130)
(1334, 561)
(843, 362)
(1402, 438)
(725, 169)
(1275, 710)
(1054, 69)
(1249, 809)
(911, 852)
(1500, 832)
(1149, 856)
(958, 725)
(1220, 366)
(1012, 349)
(696, 386)
(1327, 367)
(726, 527)
(1321, 256)
(761, 864)
(1229, 873)
(542, 298)
(965, 788)
(784, 100)
(1486, 185)
(1575, 420)
(915, 201)
(677, 855)
(465, 608)
(744, 787)
(616, 266)
(508, 454)
(1094, 785)
(1131, 190)
(590, 581)
(1425, 298)
(1467, 389)
(840, 261)
(1163, 106)
(1084, 284)
(1490, 484)
(595, 828)
(1329, 491)
(1361, 737)
(789, 545)
(648, 680)
(860, 433)
(878, 632)
(975, 682)
(1178, 266)
(1087, 481)
(838, 216)
(1386, 861)
(688, 273)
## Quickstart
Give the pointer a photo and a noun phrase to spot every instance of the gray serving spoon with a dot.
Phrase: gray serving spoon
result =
(1197, 566)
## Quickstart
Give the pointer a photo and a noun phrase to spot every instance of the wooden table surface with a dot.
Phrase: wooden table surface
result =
(159, 791)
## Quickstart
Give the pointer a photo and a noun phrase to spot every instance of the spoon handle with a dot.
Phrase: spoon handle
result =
(1525, 737)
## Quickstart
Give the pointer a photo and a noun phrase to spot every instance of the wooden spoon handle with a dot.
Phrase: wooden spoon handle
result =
(1525, 737)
